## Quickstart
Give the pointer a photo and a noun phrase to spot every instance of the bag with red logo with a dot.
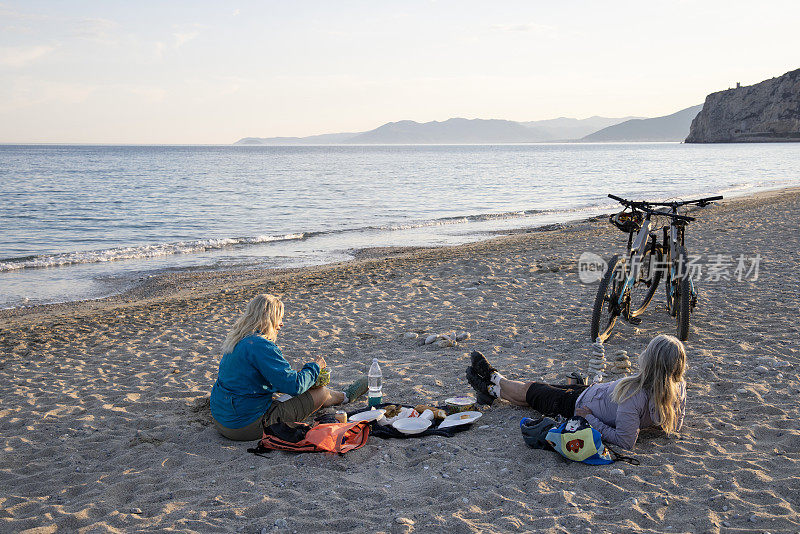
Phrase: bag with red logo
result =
(573, 438)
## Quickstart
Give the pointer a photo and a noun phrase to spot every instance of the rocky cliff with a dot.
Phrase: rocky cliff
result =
(766, 111)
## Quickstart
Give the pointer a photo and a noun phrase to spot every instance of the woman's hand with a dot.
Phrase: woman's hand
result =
(319, 360)
(583, 411)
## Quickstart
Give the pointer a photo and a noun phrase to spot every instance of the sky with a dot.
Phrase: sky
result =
(202, 72)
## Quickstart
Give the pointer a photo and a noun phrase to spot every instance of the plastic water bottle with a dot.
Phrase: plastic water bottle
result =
(375, 395)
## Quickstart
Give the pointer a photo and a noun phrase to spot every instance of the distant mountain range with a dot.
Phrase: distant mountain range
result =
(673, 127)
(323, 139)
(564, 129)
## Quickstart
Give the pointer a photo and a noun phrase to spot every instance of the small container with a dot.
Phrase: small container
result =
(459, 404)
(341, 416)
(375, 384)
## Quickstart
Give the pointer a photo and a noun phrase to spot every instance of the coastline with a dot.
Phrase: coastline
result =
(419, 196)
(104, 423)
(207, 281)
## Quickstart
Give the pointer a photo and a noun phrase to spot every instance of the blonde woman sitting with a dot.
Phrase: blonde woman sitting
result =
(655, 396)
(253, 368)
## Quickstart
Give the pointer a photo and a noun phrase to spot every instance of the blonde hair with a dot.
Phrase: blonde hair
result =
(262, 316)
(661, 368)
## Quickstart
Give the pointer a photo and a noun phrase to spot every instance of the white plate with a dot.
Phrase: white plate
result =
(463, 418)
(369, 415)
(411, 425)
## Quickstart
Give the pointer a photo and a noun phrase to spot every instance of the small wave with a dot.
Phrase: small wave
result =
(203, 245)
(140, 252)
(734, 188)
(458, 219)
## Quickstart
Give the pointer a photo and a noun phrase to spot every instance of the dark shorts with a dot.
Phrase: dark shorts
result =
(290, 411)
(554, 400)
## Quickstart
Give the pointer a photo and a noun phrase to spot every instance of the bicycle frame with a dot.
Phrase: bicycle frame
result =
(635, 250)
(674, 237)
(628, 286)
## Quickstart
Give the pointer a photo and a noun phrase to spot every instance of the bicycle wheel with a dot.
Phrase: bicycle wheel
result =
(683, 298)
(606, 311)
(672, 285)
(649, 276)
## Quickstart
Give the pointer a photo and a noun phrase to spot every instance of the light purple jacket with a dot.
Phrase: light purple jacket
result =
(619, 424)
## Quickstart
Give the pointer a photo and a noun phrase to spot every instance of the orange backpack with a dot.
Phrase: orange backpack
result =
(323, 437)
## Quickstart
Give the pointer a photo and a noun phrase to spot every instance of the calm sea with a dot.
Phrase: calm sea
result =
(81, 222)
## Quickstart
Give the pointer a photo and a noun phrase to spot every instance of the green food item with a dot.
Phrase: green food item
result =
(323, 379)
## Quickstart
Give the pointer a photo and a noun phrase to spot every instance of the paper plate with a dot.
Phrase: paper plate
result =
(411, 425)
(463, 418)
(369, 415)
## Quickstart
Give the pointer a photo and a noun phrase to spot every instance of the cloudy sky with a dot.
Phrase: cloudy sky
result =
(212, 72)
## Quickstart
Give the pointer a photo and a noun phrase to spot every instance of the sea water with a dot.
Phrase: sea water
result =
(81, 222)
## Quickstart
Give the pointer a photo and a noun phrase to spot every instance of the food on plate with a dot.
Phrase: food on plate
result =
(392, 410)
(438, 413)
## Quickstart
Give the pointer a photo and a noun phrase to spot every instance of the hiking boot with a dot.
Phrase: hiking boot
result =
(356, 389)
(481, 387)
(481, 365)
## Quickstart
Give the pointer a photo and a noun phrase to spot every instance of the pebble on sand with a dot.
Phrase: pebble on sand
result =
(403, 521)
(410, 335)
(431, 338)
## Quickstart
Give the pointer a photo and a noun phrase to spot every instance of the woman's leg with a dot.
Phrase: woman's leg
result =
(324, 397)
(299, 407)
(514, 391)
(553, 400)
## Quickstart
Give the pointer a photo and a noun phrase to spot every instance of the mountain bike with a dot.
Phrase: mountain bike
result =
(629, 283)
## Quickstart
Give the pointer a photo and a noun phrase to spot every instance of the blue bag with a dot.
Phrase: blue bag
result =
(572, 438)
(576, 440)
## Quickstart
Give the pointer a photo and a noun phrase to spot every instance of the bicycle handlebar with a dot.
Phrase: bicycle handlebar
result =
(644, 206)
(702, 202)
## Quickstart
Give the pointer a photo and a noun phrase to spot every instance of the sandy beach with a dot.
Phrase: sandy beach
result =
(105, 425)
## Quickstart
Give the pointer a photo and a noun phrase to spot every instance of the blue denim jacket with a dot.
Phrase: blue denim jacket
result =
(249, 375)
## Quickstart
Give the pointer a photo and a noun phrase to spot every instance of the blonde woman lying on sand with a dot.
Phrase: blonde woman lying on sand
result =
(253, 368)
(656, 396)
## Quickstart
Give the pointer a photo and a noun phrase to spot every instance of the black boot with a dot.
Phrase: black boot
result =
(481, 365)
(481, 387)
